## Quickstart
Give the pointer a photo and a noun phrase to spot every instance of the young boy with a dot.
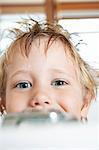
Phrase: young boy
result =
(41, 70)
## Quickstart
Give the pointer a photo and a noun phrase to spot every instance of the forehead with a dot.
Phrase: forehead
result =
(45, 47)
(55, 53)
(57, 58)
(23, 45)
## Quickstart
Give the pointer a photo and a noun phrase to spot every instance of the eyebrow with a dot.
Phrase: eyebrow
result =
(53, 70)
(19, 72)
(61, 71)
(57, 71)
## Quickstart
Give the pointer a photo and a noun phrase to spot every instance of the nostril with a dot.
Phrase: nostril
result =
(41, 103)
(36, 103)
(46, 102)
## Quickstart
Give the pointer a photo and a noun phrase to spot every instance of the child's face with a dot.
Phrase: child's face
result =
(42, 81)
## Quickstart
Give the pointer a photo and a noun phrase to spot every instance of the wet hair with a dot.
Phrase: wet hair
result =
(24, 37)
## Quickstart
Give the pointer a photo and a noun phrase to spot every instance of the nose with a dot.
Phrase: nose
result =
(40, 101)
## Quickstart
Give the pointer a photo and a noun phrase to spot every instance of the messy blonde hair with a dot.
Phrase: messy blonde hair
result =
(29, 31)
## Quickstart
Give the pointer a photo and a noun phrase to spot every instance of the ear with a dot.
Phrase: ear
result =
(2, 105)
(86, 103)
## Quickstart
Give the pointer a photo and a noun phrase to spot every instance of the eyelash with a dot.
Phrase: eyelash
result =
(23, 85)
(59, 82)
(56, 83)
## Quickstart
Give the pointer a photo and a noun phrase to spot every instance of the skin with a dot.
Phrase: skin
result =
(43, 82)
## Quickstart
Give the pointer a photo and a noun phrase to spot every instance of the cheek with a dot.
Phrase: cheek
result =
(15, 103)
(70, 102)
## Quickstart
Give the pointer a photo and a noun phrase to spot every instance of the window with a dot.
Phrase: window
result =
(85, 35)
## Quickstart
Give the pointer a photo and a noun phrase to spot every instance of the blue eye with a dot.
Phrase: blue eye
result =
(23, 85)
(59, 83)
